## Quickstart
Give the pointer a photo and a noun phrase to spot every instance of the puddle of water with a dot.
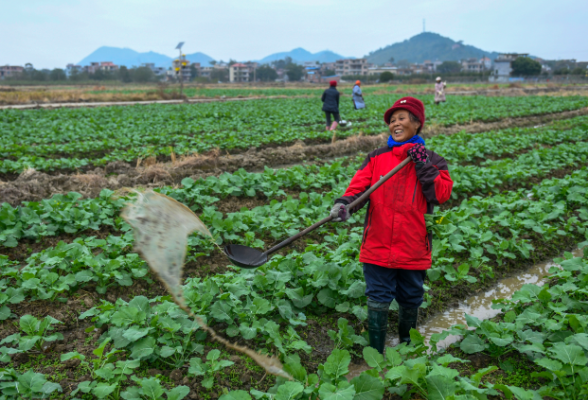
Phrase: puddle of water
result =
(479, 305)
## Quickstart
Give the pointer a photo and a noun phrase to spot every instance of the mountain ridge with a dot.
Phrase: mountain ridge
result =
(427, 46)
(131, 58)
(301, 55)
(424, 46)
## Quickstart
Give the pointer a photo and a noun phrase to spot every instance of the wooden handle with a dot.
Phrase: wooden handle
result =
(383, 179)
(298, 235)
(329, 218)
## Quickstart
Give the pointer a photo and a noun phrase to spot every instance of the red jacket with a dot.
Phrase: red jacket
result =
(395, 234)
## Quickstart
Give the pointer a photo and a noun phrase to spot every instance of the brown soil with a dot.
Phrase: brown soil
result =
(77, 336)
(315, 333)
(33, 185)
(477, 127)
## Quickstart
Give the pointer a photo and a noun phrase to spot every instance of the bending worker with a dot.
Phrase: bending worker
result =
(358, 101)
(439, 90)
(396, 247)
(330, 101)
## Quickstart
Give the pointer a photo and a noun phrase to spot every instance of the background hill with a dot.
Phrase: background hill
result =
(126, 56)
(301, 55)
(427, 46)
(203, 59)
(131, 58)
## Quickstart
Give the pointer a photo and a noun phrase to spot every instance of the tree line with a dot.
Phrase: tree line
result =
(123, 74)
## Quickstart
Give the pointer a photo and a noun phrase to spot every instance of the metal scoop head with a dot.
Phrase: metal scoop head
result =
(245, 257)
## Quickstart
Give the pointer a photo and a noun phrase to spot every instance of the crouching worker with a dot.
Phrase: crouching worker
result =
(396, 248)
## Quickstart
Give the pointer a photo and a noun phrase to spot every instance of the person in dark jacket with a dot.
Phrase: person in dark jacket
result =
(330, 101)
(396, 248)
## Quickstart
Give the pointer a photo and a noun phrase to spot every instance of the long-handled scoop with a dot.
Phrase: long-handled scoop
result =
(247, 257)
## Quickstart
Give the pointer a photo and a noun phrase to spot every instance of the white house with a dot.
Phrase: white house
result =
(502, 66)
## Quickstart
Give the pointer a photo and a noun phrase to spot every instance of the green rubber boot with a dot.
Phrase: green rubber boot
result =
(407, 320)
(377, 324)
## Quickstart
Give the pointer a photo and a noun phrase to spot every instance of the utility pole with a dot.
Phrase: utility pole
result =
(181, 69)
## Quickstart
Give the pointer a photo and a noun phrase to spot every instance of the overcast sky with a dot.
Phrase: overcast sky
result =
(52, 33)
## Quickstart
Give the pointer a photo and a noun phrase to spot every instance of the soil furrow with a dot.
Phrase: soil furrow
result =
(78, 337)
(232, 204)
(34, 185)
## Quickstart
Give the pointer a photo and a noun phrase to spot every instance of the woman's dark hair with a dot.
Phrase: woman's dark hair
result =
(413, 118)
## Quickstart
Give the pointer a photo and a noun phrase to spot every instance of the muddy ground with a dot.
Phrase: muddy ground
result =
(243, 375)
(79, 335)
(34, 185)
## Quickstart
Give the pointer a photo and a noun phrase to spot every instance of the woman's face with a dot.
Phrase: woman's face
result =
(401, 127)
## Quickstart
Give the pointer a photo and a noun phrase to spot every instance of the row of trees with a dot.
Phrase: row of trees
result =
(123, 74)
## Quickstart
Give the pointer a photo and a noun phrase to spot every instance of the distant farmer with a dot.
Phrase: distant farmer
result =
(439, 90)
(396, 247)
(330, 101)
(358, 101)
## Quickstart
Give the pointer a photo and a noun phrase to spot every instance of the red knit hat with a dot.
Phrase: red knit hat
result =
(333, 83)
(411, 104)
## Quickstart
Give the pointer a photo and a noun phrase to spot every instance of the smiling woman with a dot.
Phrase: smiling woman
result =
(396, 247)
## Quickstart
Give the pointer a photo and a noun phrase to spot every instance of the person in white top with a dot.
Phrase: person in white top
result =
(439, 90)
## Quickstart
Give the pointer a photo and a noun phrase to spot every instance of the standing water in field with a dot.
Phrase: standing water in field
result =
(479, 306)
(161, 226)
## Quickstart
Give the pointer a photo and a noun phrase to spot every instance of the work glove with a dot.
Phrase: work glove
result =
(339, 213)
(419, 155)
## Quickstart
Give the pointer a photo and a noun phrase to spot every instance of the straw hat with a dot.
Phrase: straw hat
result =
(438, 78)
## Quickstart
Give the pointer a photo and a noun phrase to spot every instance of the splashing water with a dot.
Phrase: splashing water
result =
(161, 226)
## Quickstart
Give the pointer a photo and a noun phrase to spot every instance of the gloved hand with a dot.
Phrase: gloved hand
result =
(339, 213)
(418, 155)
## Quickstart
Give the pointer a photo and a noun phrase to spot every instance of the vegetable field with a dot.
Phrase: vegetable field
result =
(70, 139)
(82, 316)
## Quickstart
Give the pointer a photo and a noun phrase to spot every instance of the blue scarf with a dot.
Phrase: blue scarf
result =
(415, 139)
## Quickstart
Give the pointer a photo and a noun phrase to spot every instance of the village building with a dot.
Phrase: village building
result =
(351, 66)
(503, 66)
(158, 71)
(379, 70)
(238, 73)
(431, 66)
(10, 71)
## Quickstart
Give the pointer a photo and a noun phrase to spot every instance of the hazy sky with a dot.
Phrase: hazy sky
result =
(52, 33)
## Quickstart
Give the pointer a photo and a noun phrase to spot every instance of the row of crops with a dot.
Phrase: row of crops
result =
(69, 139)
(542, 150)
(279, 307)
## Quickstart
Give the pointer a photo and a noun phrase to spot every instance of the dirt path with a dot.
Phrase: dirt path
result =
(483, 92)
(34, 185)
(477, 127)
(124, 103)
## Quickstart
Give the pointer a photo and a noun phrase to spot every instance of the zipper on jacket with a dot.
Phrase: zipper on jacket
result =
(414, 193)
(367, 228)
